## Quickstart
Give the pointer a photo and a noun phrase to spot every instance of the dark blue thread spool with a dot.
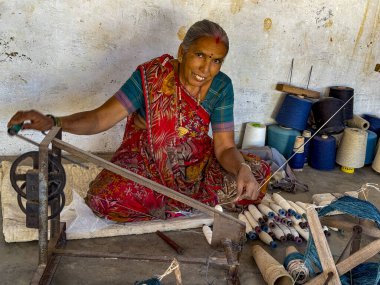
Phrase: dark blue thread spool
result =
(345, 94)
(297, 161)
(374, 123)
(294, 112)
(324, 112)
(322, 152)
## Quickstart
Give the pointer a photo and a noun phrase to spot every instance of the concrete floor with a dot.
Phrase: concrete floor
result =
(18, 261)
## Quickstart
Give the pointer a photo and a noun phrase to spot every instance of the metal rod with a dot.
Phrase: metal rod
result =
(308, 81)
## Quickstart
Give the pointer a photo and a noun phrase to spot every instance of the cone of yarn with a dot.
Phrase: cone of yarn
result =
(282, 139)
(345, 94)
(254, 135)
(271, 270)
(371, 147)
(297, 160)
(358, 122)
(376, 161)
(326, 115)
(322, 152)
(352, 148)
(294, 112)
(374, 123)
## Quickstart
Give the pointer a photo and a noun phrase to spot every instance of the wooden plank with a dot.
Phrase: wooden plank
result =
(351, 262)
(324, 253)
(298, 91)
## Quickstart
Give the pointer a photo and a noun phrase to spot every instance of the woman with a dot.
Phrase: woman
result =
(170, 104)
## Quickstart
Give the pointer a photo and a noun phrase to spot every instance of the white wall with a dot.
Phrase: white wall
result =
(65, 56)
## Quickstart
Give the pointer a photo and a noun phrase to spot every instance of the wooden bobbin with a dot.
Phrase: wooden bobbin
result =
(272, 271)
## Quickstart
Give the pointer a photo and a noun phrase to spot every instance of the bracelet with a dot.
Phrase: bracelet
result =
(56, 120)
(246, 164)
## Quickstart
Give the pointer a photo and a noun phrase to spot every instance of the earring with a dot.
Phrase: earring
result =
(180, 59)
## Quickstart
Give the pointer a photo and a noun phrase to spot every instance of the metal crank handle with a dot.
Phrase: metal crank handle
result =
(13, 131)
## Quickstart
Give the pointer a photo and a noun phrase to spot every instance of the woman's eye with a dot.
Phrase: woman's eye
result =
(217, 61)
(199, 54)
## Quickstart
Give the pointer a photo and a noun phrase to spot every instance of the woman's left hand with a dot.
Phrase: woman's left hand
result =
(247, 186)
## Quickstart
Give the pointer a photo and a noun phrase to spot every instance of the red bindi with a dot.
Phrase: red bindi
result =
(217, 39)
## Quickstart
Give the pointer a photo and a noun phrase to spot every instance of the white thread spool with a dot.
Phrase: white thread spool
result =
(266, 210)
(281, 202)
(267, 239)
(352, 149)
(278, 233)
(254, 135)
(358, 122)
(297, 208)
(286, 231)
(277, 209)
(248, 227)
(295, 234)
(219, 208)
(302, 232)
(208, 233)
(256, 213)
(252, 221)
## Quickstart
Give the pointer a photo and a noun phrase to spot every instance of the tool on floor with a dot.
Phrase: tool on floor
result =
(228, 232)
(170, 242)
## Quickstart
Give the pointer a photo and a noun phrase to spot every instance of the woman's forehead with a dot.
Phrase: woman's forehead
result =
(210, 46)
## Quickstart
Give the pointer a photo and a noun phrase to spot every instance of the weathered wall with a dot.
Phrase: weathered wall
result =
(66, 56)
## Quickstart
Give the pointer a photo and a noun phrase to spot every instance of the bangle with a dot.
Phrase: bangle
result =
(56, 120)
(244, 164)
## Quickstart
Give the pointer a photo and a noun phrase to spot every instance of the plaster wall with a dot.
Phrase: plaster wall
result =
(65, 56)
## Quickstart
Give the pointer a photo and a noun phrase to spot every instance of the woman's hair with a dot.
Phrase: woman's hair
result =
(205, 28)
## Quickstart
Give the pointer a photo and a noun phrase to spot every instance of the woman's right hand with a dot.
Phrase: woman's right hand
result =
(31, 119)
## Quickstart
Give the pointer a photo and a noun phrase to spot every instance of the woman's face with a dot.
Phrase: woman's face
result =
(201, 62)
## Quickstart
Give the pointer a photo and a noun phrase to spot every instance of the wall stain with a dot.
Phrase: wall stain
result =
(6, 54)
(236, 6)
(181, 33)
(361, 29)
(267, 24)
(328, 24)
(368, 63)
(323, 16)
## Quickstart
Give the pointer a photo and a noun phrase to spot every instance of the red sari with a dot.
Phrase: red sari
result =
(186, 163)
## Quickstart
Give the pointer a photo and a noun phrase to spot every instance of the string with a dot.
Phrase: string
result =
(298, 149)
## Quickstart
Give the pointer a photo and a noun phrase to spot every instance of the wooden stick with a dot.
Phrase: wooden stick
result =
(298, 91)
(324, 253)
(170, 242)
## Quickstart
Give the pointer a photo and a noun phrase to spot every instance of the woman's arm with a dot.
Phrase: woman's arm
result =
(231, 160)
(82, 123)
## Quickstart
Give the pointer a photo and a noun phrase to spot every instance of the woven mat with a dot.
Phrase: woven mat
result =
(81, 222)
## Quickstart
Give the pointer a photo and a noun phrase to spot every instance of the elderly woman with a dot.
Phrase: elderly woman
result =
(169, 104)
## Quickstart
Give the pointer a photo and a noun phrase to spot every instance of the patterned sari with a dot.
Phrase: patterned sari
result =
(186, 164)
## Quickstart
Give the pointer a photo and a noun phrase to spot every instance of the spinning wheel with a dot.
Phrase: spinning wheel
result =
(56, 179)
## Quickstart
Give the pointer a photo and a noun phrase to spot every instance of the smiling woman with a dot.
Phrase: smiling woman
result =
(170, 104)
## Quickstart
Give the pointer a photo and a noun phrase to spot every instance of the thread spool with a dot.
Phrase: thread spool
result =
(297, 208)
(207, 233)
(13, 130)
(295, 265)
(358, 122)
(352, 149)
(307, 135)
(256, 214)
(345, 94)
(296, 236)
(302, 232)
(322, 152)
(374, 123)
(297, 160)
(252, 221)
(371, 147)
(271, 270)
(267, 239)
(324, 112)
(282, 203)
(219, 208)
(266, 211)
(376, 161)
(294, 112)
(248, 228)
(254, 135)
(282, 139)
(286, 231)
(277, 209)
(278, 233)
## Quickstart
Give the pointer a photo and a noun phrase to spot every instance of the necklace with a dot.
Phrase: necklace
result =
(181, 130)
